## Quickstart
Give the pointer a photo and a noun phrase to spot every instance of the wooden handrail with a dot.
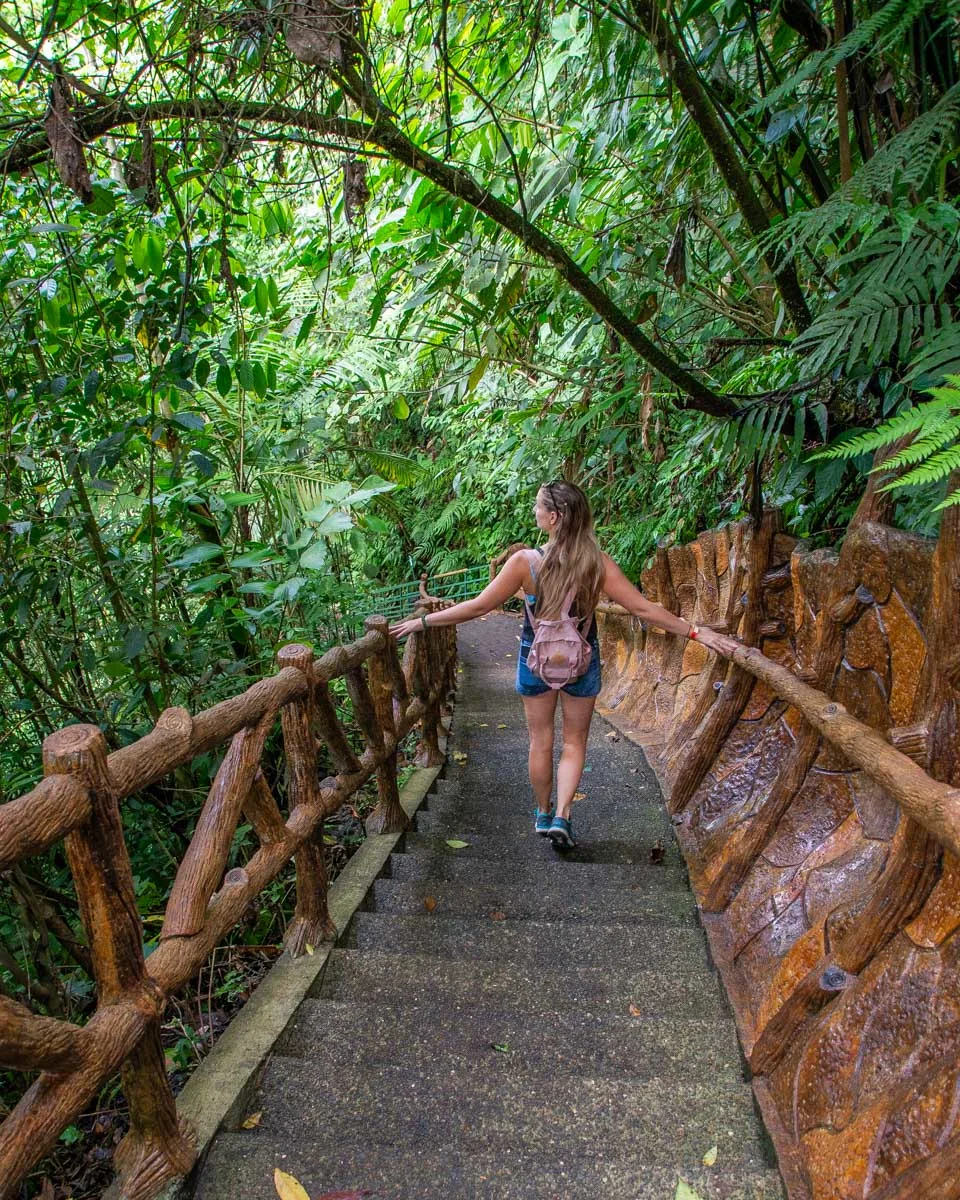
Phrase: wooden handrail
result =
(80, 799)
(935, 805)
(34, 822)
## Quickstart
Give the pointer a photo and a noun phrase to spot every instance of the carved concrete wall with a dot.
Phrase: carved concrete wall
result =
(833, 917)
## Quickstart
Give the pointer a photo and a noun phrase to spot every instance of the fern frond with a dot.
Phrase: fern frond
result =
(397, 468)
(892, 302)
(877, 31)
(936, 357)
(932, 471)
(862, 205)
(931, 440)
(908, 421)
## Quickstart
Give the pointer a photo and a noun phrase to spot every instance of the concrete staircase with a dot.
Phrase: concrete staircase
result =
(503, 1022)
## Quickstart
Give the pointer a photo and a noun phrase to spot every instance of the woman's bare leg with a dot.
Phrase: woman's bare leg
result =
(577, 714)
(540, 712)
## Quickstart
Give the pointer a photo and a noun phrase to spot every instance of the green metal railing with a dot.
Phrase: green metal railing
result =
(400, 599)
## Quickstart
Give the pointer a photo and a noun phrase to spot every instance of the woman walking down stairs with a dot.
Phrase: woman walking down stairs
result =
(504, 1022)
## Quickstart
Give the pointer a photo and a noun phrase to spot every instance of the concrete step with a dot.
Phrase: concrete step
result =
(241, 1165)
(490, 936)
(640, 824)
(538, 871)
(662, 913)
(354, 1036)
(520, 987)
(528, 846)
(443, 789)
(667, 1122)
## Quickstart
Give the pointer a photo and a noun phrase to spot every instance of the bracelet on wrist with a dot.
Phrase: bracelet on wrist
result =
(694, 632)
(423, 622)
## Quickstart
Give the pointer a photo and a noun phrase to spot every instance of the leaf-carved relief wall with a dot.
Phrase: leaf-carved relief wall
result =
(834, 918)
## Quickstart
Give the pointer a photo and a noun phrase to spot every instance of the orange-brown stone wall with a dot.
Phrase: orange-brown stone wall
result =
(866, 1084)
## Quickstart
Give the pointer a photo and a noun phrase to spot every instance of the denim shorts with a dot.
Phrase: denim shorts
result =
(588, 684)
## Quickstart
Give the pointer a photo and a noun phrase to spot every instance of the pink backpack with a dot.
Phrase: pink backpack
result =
(559, 653)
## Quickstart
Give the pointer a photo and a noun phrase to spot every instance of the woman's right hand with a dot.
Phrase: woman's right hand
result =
(719, 643)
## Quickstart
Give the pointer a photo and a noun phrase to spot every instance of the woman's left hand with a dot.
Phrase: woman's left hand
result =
(719, 643)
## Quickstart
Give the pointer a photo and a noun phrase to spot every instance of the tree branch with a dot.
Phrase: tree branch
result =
(704, 115)
(381, 131)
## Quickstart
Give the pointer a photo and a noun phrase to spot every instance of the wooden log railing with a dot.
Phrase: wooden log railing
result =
(79, 801)
(932, 803)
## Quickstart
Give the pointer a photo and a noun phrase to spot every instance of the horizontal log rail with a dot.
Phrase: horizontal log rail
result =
(79, 802)
(933, 804)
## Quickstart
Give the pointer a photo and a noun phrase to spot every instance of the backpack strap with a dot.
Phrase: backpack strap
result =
(565, 613)
(533, 557)
(567, 604)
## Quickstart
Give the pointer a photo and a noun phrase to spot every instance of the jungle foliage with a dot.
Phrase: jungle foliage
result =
(300, 297)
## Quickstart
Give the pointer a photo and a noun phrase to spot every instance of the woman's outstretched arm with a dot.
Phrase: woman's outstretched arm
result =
(621, 591)
(510, 579)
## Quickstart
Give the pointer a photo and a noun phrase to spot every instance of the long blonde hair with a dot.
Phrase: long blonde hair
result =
(572, 558)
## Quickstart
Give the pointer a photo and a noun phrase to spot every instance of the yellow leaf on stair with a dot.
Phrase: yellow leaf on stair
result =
(287, 1187)
(710, 1157)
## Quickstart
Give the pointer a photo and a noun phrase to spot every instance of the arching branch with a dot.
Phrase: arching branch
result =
(380, 130)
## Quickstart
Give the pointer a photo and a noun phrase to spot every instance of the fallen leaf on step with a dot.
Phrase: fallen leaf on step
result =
(498, 916)
(502, 725)
(252, 1121)
(634, 770)
(634, 1011)
(500, 1047)
(656, 853)
(459, 756)
(456, 844)
(711, 1156)
(309, 949)
(484, 725)
(429, 903)
(288, 1188)
(579, 796)
(686, 1192)
(613, 736)
(508, 656)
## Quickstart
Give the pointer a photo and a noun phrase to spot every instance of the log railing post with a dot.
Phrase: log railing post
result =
(388, 816)
(427, 683)
(311, 923)
(159, 1146)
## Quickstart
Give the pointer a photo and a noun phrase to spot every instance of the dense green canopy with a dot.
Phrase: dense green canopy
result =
(262, 261)
(298, 298)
